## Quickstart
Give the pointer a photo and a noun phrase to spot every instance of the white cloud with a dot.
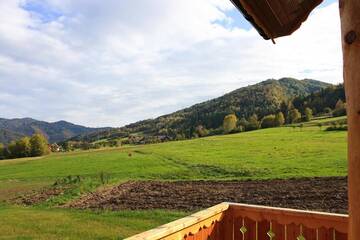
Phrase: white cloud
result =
(113, 62)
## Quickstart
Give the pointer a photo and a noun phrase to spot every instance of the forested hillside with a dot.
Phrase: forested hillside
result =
(14, 129)
(260, 99)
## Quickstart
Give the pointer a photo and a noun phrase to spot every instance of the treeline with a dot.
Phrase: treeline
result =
(326, 102)
(68, 146)
(231, 123)
(34, 146)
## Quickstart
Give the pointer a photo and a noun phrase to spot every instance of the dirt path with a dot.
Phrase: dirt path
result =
(320, 194)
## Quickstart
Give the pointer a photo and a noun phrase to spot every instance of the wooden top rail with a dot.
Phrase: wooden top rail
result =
(286, 216)
(229, 221)
(186, 226)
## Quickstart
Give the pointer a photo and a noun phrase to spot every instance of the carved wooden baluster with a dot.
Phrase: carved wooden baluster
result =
(301, 236)
(243, 229)
(270, 233)
(257, 231)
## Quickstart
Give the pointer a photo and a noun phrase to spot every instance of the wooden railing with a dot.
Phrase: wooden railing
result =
(230, 221)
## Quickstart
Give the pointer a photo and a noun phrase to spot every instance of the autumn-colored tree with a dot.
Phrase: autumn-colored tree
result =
(201, 131)
(340, 104)
(2, 151)
(253, 123)
(268, 121)
(23, 147)
(340, 109)
(295, 115)
(308, 114)
(229, 123)
(279, 119)
(39, 145)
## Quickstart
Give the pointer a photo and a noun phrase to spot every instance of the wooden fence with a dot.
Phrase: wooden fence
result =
(231, 221)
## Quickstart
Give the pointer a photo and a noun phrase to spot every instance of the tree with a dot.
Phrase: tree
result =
(279, 119)
(340, 109)
(295, 115)
(39, 145)
(229, 123)
(268, 121)
(340, 104)
(23, 147)
(308, 114)
(201, 131)
(2, 151)
(11, 150)
(253, 123)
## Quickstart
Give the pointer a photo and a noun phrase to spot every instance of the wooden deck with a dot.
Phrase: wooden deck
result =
(230, 221)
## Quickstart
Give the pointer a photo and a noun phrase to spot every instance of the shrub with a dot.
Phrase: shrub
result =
(268, 121)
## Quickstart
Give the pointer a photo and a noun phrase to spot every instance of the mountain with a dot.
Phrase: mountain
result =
(13, 129)
(261, 99)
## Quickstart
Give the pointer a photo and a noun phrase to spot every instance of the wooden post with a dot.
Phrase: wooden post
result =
(350, 33)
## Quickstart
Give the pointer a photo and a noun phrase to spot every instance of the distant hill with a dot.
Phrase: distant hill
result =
(13, 129)
(261, 99)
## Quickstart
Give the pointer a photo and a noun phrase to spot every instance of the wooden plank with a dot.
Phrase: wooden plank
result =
(251, 229)
(184, 226)
(278, 230)
(292, 231)
(350, 35)
(238, 223)
(309, 233)
(287, 216)
(341, 236)
(263, 228)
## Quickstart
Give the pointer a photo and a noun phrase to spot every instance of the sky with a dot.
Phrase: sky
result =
(111, 62)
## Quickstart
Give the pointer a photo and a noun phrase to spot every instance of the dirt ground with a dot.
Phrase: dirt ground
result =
(319, 194)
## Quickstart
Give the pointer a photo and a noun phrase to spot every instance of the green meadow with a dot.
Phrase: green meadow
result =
(287, 152)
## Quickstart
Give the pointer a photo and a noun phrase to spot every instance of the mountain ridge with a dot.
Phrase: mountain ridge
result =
(262, 98)
(13, 129)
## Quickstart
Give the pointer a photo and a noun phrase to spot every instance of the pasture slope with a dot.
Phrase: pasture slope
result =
(277, 153)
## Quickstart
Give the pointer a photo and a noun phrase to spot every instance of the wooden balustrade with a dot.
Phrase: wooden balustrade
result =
(230, 221)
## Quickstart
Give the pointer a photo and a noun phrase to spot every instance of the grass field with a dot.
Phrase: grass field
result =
(264, 154)
(45, 224)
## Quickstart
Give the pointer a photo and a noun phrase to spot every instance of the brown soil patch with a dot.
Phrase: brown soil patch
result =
(318, 194)
(40, 196)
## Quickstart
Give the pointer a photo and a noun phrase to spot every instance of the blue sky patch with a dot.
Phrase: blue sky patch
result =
(42, 10)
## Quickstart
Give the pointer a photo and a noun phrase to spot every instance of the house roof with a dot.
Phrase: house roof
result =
(276, 18)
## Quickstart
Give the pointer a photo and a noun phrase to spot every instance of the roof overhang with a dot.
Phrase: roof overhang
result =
(276, 18)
